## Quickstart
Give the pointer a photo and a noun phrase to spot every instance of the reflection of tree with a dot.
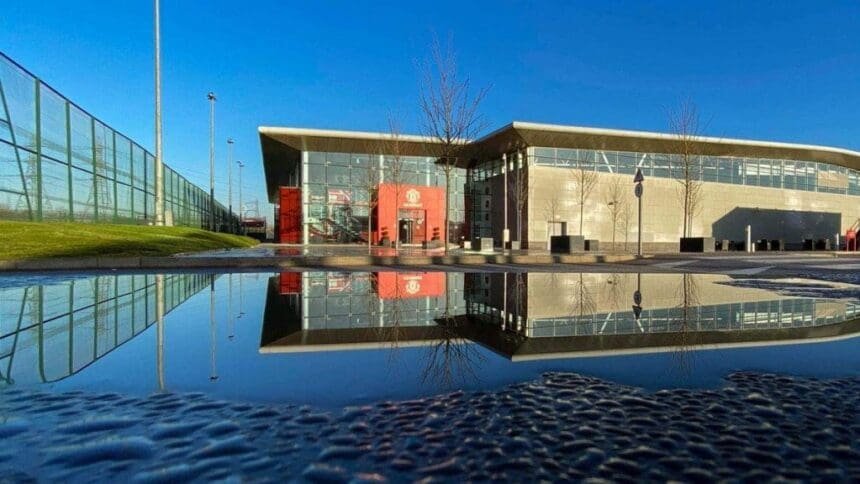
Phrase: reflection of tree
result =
(452, 358)
(685, 334)
(576, 300)
(390, 313)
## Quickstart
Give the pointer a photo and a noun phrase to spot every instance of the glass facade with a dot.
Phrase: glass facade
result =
(340, 185)
(59, 163)
(788, 174)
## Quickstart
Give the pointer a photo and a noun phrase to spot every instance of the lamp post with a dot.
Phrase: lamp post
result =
(506, 233)
(241, 208)
(159, 167)
(212, 99)
(230, 183)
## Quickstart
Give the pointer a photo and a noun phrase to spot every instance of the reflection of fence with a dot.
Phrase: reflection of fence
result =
(59, 163)
(68, 325)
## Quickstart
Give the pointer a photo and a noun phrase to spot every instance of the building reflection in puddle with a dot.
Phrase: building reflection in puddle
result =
(442, 329)
(524, 316)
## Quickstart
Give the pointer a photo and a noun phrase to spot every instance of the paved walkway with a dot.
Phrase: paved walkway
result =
(274, 257)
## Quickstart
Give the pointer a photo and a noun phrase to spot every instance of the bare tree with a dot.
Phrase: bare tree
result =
(521, 191)
(450, 113)
(392, 150)
(626, 218)
(369, 183)
(684, 126)
(615, 200)
(585, 178)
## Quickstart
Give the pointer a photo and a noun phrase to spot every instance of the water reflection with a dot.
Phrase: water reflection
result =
(311, 335)
(532, 316)
(68, 324)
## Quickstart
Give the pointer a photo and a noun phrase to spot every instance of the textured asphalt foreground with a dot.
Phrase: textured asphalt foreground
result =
(561, 427)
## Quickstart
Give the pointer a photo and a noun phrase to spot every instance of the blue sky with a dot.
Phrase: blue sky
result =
(786, 71)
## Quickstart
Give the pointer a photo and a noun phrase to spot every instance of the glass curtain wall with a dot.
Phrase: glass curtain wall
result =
(340, 187)
(789, 174)
(59, 163)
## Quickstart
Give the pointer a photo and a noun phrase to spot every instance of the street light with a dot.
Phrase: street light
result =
(211, 98)
(241, 208)
(230, 181)
(159, 166)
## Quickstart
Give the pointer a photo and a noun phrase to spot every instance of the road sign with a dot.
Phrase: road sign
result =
(637, 298)
(638, 190)
(637, 312)
(639, 177)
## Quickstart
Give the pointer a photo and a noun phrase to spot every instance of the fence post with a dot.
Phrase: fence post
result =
(115, 199)
(69, 162)
(95, 170)
(38, 183)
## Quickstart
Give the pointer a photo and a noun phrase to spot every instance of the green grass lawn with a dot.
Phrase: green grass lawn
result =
(38, 240)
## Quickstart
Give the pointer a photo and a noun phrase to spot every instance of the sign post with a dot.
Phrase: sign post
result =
(638, 179)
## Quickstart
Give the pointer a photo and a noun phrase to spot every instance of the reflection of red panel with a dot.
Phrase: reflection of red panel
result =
(411, 199)
(404, 285)
(290, 282)
(290, 215)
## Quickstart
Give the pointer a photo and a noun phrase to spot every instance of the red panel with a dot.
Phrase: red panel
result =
(290, 282)
(412, 199)
(290, 215)
(405, 285)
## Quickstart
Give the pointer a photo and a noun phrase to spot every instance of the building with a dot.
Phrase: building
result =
(328, 186)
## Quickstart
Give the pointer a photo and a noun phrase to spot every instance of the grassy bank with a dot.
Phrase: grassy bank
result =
(34, 240)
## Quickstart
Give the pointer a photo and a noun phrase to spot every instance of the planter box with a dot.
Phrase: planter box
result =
(482, 244)
(697, 244)
(592, 245)
(566, 244)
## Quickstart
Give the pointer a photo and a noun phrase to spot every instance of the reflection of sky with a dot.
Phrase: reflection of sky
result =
(337, 378)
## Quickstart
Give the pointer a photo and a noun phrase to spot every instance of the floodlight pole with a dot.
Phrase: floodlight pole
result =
(212, 99)
(230, 183)
(241, 207)
(159, 166)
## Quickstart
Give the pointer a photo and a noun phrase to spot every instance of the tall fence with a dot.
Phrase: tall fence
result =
(57, 162)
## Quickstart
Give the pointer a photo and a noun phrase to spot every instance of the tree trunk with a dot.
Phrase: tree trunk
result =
(447, 205)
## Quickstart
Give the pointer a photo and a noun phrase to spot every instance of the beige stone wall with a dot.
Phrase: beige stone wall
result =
(554, 196)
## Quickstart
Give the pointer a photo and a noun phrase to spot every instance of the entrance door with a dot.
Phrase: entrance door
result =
(412, 226)
(554, 228)
(404, 232)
